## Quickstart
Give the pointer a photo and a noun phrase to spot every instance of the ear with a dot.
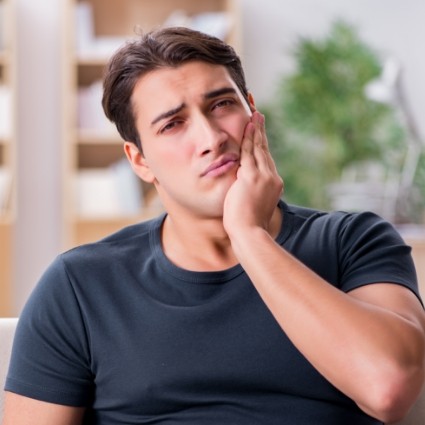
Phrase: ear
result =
(138, 162)
(251, 102)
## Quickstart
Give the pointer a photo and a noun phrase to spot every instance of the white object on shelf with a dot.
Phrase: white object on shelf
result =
(105, 46)
(84, 29)
(108, 192)
(5, 111)
(90, 111)
(128, 187)
(88, 45)
(365, 187)
(177, 18)
(217, 24)
(96, 194)
(5, 188)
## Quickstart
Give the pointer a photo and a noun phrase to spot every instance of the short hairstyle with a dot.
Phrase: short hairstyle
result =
(165, 47)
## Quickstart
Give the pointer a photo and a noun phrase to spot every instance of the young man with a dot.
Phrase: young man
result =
(232, 307)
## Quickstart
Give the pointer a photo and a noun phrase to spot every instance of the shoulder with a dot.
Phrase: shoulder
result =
(349, 249)
(343, 233)
(88, 268)
(341, 224)
(121, 244)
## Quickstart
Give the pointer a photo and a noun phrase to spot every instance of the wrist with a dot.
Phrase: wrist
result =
(246, 240)
(249, 234)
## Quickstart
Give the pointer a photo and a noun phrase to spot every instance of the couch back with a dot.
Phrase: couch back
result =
(7, 331)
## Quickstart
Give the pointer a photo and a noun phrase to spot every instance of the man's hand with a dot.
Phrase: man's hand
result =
(252, 199)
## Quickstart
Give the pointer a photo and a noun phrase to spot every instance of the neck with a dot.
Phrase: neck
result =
(202, 245)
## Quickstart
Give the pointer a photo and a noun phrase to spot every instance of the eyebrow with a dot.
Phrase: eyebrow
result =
(209, 95)
(219, 92)
(168, 113)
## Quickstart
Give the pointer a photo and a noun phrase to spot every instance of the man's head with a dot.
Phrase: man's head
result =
(169, 47)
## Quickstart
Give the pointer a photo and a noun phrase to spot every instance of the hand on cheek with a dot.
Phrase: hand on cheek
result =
(252, 198)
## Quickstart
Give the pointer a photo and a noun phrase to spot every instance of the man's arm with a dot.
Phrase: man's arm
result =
(369, 343)
(19, 410)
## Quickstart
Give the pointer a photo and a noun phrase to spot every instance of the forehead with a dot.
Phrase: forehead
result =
(194, 71)
(167, 87)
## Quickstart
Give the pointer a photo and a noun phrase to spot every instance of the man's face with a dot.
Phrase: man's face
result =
(191, 121)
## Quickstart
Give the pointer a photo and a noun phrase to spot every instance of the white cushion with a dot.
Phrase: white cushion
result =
(7, 331)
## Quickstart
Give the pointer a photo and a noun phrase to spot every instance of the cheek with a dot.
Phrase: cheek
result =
(163, 160)
(237, 128)
(179, 155)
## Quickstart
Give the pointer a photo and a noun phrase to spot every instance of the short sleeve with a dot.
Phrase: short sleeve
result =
(372, 251)
(51, 357)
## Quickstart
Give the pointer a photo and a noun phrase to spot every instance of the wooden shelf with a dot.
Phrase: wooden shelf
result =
(90, 61)
(5, 265)
(88, 230)
(86, 50)
(7, 151)
(96, 137)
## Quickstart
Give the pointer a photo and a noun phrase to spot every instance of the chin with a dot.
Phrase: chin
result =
(211, 207)
(211, 210)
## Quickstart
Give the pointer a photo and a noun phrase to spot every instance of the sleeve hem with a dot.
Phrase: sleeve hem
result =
(56, 396)
(354, 286)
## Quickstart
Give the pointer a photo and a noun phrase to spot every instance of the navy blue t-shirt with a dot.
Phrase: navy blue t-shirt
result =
(116, 327)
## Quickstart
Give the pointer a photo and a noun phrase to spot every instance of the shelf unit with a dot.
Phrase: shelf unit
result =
(92, 147)
(7, 150)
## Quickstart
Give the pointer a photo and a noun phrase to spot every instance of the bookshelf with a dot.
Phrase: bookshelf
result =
(93, 151)
(7, 148)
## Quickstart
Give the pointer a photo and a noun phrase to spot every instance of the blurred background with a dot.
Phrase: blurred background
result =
(341, 83)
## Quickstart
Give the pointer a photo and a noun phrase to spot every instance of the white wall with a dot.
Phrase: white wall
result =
(37, 237)
(270, 28)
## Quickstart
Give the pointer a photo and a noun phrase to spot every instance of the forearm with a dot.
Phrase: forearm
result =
(354, 344)
(20, 410)
(369, 343)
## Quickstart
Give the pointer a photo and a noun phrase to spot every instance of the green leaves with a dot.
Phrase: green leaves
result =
(326, 114)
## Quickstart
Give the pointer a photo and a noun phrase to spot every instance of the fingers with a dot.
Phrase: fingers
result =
(261, 151)
(254, 150)
(247, 147)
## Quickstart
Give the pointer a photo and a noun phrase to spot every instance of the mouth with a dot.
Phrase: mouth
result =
(221, 166)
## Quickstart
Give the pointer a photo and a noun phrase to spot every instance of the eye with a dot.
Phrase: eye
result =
(223, 103)
(170, 126)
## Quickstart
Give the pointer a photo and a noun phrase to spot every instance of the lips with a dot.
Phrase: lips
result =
(221, 166)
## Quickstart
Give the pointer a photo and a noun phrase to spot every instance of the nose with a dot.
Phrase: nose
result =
(209, 135)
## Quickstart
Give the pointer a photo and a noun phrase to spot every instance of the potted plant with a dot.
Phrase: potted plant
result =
(322, 126)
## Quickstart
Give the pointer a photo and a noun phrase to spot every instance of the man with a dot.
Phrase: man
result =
(231, 308)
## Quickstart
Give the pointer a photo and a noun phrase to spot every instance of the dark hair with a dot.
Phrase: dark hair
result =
(166, 47)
